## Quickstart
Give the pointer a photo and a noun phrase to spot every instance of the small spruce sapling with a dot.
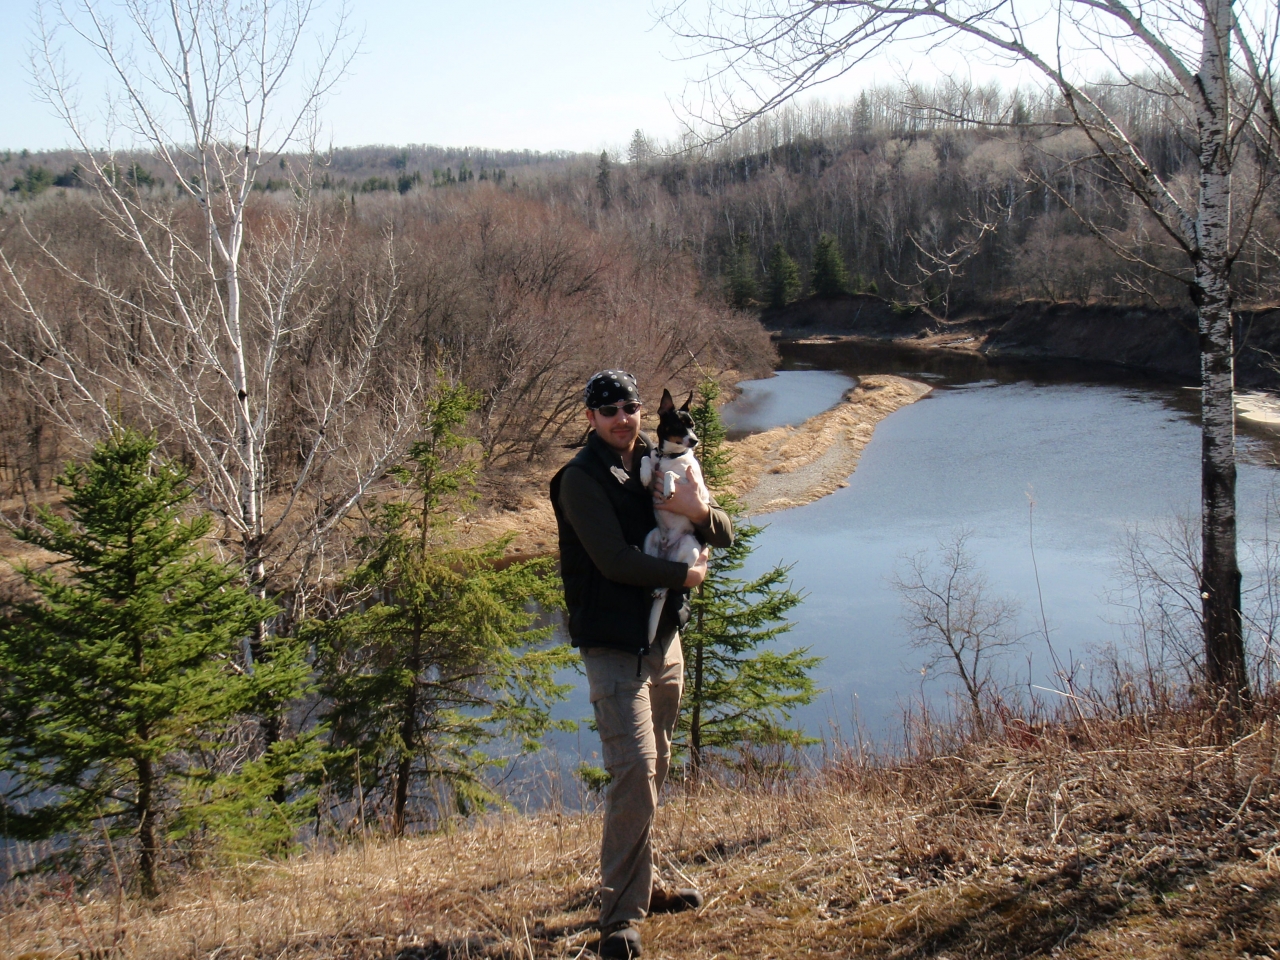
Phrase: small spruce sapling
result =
(121, 673)
(442, 653)
(736, 693)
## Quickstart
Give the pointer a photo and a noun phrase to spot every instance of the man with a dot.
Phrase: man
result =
(603, 513)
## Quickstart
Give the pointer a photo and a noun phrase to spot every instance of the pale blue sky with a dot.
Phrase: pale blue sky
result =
(568, 74)
(573, 74)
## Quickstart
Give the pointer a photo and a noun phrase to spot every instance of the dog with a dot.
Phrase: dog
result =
(671, 462)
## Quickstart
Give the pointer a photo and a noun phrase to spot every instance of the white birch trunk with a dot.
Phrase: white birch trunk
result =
(1220, 574)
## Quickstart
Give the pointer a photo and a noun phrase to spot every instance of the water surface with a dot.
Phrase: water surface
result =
(787, 398)
(991, 450)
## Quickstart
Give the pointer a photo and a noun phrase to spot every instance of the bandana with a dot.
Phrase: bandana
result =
(610, 386)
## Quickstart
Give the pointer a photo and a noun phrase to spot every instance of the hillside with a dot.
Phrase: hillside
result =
(1124, 838)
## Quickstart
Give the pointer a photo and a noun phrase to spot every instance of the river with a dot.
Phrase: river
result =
(1095, 449)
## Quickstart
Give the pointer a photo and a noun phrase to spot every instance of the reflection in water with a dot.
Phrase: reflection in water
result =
(861, 357)
(1261, 442)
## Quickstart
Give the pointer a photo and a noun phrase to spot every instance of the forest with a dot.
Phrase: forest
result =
(525, 269)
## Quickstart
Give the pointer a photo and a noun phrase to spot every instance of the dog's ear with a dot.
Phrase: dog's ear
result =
(687, 403)
(668, 404)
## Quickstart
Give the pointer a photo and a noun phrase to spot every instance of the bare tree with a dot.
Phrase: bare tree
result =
(193, 320)
(1159, 576)
(1211, 64)
(951, 613)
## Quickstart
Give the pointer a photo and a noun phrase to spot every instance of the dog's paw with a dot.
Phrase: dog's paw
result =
(646, 471)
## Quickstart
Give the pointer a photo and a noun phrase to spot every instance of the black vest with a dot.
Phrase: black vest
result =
(603, 612)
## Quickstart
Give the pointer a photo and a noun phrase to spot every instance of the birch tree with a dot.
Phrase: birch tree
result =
(1210, 63)
(192, 328)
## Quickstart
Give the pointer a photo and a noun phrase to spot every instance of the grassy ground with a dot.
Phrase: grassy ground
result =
(1124, 839)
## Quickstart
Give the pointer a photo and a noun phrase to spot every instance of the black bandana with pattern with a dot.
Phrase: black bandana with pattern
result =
(610, 386)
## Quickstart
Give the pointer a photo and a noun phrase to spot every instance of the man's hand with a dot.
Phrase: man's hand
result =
(698, 569)
(685, 501)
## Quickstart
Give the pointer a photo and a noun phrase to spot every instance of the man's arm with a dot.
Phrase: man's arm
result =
(588, 510)
(718, 530)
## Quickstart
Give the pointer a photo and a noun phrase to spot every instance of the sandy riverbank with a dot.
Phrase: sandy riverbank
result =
(791, 466)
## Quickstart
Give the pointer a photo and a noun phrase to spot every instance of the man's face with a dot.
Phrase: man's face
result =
(619, 431)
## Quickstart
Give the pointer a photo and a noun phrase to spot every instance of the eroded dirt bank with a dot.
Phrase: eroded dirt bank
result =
(780, 468)
(1154, 340)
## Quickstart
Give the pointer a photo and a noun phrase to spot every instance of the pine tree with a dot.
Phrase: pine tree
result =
(737, 694)
(604, 180)
(444, 654)
(862, 116)
(740, 280)
(639, 150)
(784, 277)
(119, 676)
(829, 278)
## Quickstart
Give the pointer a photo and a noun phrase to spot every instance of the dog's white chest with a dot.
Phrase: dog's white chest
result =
(662, 474)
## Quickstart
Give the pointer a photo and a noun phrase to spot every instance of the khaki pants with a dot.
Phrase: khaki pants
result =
(637, 717)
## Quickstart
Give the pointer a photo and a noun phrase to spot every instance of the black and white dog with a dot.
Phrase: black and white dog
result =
(672, 462)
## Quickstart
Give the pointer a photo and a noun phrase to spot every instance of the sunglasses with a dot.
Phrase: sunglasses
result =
(611, 409)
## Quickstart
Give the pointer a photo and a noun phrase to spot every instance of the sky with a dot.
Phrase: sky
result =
(577, 75)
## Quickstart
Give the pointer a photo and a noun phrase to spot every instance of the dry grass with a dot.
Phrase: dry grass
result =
(1124, 839)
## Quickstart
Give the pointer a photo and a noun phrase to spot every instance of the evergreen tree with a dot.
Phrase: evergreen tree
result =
(784, 277)
(736, 693)
(33, 182)
(740, 279)
(1020, 112)
(442, 654)
(604, 180)
(829, 278)
(862, 117)
(640, 150)
(119, 677)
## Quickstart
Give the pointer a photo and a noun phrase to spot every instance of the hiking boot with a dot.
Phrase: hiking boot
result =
(662, 900)
(619, 941)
